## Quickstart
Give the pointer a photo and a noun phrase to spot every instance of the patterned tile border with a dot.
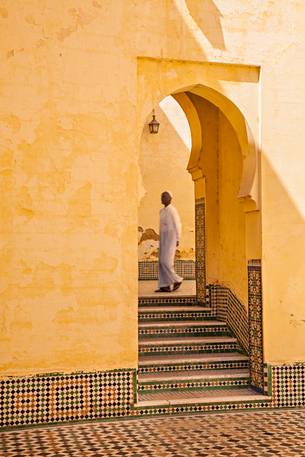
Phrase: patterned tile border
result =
(226, 306)
(148, 269)
(174, 300)
(196, 315)
(200, 246)
(287, 385)
(194, 384)
(64, 397)
(200, 408)
(60, 398)
(256, 354)
(223, 365)
(247, 328)
(153, 349)
(237, 319)
(220, 330)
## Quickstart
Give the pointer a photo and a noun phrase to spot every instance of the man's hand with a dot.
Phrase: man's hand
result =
(177, 244)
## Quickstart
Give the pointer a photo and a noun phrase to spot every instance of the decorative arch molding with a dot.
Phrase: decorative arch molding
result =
(213, 82)
(248, 190)
(195, 126)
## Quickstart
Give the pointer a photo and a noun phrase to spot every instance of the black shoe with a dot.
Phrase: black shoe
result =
(177, 285)
(164, 289)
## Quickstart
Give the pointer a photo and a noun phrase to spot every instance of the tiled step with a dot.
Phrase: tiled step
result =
(187, 300)
(214, 397)
(192, 375)
(190, 362)
(175, 328)
(188, 357)
(173, 308)
(188, 344)
(180, 312)
(196, 379)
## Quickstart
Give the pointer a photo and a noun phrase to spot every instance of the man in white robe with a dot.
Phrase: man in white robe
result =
(170, 231)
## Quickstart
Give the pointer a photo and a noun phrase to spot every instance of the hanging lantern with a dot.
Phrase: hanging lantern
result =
(154, 124)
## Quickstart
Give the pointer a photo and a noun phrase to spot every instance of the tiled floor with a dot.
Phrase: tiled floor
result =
(273, 433)
(147, 289)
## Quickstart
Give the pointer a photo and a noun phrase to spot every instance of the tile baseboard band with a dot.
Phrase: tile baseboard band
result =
(58, 398)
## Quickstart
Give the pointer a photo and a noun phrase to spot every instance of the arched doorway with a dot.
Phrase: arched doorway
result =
(220, 141)
(224, 168)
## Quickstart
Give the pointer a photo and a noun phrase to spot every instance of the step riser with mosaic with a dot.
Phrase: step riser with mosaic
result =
(194, 385)
(222, 365)
(170, 304)
(184, 331)
(179, 316)
(166, 340)
(189, 348)
(157, 301)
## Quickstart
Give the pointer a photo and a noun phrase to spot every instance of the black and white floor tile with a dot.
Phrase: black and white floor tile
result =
(258, 433)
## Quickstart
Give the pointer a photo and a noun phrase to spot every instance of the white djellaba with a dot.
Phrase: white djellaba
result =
(170, 232)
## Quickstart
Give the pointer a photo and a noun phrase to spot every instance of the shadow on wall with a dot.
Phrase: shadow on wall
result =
(283, 228)
(283, 267)
(208, 18)
(201, 23)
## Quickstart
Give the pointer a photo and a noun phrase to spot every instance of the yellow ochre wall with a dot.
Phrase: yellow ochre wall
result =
(74, 98)
(209, 116)
(232, 243)
(221, 164)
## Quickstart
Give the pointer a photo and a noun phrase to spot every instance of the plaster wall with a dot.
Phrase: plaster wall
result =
(209, 163)
(221, 165)
(74, 98)
(68, 169)
(232, 243)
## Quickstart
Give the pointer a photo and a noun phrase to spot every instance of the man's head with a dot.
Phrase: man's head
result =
(166, 198)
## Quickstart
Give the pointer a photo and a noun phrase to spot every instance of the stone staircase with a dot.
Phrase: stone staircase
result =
(188, 356)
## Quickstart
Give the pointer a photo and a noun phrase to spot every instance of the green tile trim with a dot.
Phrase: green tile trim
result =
(269, 371)
(135, 382)
(213, 405)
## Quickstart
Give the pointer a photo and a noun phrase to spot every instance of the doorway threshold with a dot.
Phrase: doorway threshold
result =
(147, 289)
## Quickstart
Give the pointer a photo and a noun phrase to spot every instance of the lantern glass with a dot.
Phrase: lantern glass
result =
(154, 125)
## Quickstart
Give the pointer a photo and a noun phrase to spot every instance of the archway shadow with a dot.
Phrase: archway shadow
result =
(208, 18)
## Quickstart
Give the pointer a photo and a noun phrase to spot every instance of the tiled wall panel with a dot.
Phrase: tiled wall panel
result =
(287, 385)
(226, 306)
(200, 250)
(255, 306)
(148, 270)
(58, 398)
